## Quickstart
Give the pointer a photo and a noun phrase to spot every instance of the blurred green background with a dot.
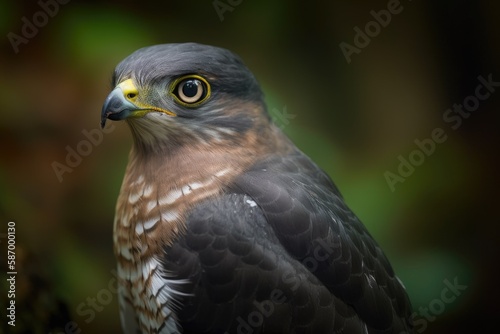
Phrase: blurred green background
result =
(354, 119)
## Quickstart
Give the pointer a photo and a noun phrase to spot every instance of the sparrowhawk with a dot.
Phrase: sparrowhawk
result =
(222, 224)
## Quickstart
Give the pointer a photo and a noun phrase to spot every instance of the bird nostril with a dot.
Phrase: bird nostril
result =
(131, 95)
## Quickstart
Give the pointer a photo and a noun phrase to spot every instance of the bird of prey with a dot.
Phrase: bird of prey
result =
(222, 224)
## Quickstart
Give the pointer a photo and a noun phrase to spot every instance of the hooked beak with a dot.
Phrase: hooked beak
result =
(116, 107)
(121, 104)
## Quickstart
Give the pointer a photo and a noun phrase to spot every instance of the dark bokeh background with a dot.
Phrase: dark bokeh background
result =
(354, 119)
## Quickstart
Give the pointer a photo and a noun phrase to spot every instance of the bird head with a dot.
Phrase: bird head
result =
(173, 94)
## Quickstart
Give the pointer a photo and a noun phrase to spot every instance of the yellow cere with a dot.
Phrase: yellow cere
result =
(131, 93)
(129, 90)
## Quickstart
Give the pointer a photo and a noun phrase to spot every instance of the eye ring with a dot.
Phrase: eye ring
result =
(190, 90)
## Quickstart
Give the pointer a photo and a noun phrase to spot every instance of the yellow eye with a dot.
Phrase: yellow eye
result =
(191, 90)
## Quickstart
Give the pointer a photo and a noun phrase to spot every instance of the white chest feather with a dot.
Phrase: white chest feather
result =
(148, 219)
(148, 297)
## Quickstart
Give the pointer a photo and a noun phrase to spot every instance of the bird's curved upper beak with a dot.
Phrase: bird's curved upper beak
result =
(116, 107)
(120, 104)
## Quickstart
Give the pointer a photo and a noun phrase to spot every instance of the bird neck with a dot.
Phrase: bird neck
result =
(178, 179)
(194, 159)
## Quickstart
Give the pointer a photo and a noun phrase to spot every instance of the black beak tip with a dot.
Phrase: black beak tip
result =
(103, 122)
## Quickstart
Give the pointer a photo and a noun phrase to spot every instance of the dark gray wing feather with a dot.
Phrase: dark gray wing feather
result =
(301, 243)
(243, 279)
(305, 210)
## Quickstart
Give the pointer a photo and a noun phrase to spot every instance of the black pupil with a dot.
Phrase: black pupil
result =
(190, 88)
